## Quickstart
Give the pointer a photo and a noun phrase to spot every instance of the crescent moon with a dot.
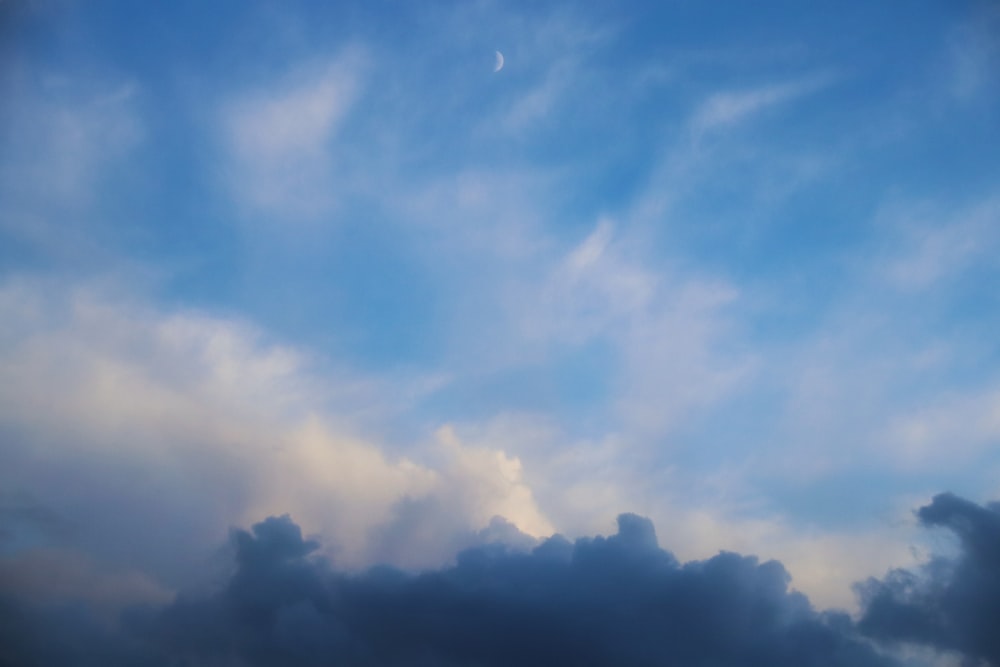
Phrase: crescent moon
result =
(499, 63)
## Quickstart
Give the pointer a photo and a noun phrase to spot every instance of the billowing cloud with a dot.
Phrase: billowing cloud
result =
(138, 436)
(952, 603)
(619, 600)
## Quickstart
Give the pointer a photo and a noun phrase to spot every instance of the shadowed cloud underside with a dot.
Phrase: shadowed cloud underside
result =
(619, 600)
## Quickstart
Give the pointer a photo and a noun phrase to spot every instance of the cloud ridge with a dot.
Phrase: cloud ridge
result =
(617, 600)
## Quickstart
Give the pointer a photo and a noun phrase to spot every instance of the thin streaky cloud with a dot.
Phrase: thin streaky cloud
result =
(729, 108)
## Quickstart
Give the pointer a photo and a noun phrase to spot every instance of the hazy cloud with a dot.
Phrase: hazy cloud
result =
(280, 140)
(974, 52)
(61, 135)
(730, 107)
(935, 245)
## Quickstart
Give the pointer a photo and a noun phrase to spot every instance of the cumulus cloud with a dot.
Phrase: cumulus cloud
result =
(619, 600)
(140, 435)
(952, 603)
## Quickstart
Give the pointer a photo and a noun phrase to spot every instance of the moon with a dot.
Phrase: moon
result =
(499, 63)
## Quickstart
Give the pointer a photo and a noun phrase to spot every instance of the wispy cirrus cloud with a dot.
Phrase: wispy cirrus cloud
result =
(62, 136)
(974, 47)
(281, 139)
(728, 108)
(668, 328)
(933, 244)
(950, 432)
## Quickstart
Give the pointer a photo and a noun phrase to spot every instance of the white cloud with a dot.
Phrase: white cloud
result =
(282, 139)
(151, 434)
(729, 108)
(676, 360)
(823, 563)
(490, 216)
(935, 244)
(497, 479)
(952, 432)
(668, 329)
(582, 485)
(592, 290)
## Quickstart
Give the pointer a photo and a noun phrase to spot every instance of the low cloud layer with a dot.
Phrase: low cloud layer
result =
(619, 600)
(950, 603)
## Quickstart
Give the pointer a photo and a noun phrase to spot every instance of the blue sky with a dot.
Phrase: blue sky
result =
(731, 266)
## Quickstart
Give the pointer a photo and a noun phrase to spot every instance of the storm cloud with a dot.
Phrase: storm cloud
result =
(950, 603)
(619, 600)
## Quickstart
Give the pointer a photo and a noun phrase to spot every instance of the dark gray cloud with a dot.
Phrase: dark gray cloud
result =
(619, 600)
(950, 603)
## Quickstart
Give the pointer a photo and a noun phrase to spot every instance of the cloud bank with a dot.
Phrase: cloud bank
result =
(949, 604)
(138, 438)
(620, 600)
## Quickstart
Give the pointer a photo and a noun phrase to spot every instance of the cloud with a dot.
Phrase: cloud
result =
(62, 135)
(935, 245)
(144, 434)
(729, 108)
(56, 576)
(491, 216)
(973, 51)
(893, 373)
(547, 77)
(666, 330)
(950, 603)
(619, 600)
(478, 485)
(950, 433)
(593, 289)
(281, 140)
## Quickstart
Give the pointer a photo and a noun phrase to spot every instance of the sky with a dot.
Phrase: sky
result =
(708, 285)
